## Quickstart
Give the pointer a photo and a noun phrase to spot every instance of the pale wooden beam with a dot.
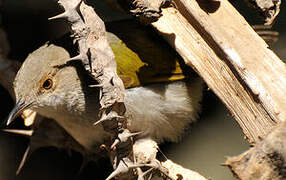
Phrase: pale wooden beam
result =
(233, 60)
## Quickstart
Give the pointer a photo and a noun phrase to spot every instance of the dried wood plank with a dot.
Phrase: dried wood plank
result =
(202, 48)
(249, 56)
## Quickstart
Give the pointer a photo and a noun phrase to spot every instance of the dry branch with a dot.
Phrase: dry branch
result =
(98, 59)
(235, 62)
(211, 65)
(212, 38)
(257, 66)
(96, 55)
(46, 132)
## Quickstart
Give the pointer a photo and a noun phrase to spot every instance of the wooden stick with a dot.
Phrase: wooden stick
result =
(232, 59)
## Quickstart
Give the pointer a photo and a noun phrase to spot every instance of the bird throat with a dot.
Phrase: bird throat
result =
(84, 132)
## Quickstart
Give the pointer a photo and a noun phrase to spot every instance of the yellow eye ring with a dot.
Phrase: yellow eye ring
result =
(48, 83)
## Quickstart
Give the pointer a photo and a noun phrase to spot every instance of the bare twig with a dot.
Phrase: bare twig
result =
(97, 57)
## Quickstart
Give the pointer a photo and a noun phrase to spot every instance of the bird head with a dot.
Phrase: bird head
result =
(49, 83)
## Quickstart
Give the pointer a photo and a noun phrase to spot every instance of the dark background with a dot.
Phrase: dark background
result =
(204, 147)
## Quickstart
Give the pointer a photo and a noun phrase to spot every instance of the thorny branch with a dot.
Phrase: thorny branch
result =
(97, 57)
(46, 132)
(89, 32)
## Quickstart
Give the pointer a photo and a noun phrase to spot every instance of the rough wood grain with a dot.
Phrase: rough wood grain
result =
(263, 73)
(199, 50)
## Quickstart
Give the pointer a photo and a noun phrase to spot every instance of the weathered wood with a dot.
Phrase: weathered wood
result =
(241, 69)
(197, 53)
(261, 70)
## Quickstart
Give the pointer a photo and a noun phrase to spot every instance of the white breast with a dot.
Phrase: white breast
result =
(160, 111)
(163, 111)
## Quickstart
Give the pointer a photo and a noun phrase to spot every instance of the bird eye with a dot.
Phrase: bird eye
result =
(47, 84)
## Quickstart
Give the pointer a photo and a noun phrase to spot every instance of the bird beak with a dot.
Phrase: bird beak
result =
(20, 106)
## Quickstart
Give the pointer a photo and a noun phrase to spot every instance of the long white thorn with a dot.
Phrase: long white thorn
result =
(27, 152)
(22, 132)
(63, 15)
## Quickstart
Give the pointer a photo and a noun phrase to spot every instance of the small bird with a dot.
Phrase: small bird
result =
(55, 86)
